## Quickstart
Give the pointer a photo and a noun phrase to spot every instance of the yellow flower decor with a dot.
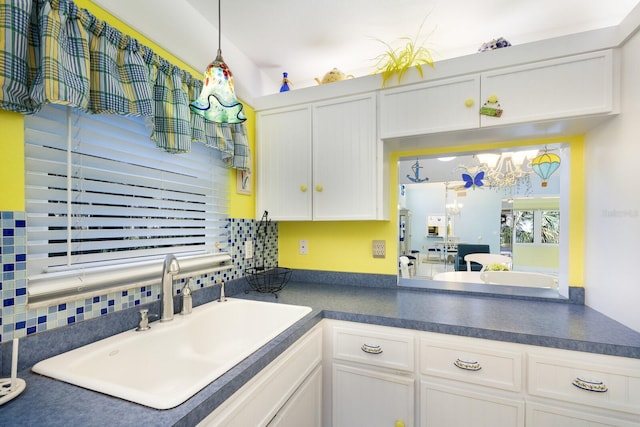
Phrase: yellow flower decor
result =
(399, 60)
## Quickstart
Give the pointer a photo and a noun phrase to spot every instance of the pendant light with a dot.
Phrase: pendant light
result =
(217, 101)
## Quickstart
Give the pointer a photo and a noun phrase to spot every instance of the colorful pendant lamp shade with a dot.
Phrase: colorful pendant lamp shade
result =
(545, 165)
(217, 101)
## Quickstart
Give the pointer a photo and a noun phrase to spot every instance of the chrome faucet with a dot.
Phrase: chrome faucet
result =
(169, 268)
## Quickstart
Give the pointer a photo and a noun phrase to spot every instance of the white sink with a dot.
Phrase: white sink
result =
(164, 366)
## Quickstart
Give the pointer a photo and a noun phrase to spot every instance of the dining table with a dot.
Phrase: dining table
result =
(459, 276)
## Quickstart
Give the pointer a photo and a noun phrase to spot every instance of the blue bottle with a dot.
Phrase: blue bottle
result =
(285, 83)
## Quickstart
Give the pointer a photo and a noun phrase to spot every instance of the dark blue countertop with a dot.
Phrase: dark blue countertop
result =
(551, 324)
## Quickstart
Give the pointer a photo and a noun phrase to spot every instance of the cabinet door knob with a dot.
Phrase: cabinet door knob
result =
(319, 188)
(303, 188)
(469, 102)
(595, 386)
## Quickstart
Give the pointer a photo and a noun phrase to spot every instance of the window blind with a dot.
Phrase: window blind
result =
(99, 192)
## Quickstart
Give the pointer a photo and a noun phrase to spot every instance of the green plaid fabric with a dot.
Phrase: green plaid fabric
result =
(172, 130)
(15, 76)
(119, 77)
(54, 52)
(62, 76)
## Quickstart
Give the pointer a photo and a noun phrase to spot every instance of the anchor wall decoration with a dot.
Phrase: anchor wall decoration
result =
(416, 173)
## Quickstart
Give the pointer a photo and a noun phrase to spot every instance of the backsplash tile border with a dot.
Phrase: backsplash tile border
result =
(16, 320)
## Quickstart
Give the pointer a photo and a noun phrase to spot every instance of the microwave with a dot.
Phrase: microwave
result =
(432, 230)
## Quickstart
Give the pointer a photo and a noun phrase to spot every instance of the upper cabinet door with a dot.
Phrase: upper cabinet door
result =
(567, 87)
(440, 106)
(284, 186)
(345, 172)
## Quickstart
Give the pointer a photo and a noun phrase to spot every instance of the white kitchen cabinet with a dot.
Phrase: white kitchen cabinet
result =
(372, 379)
(600, 389)
(573, 86)
(345, 152)
(483, 377)
(563, 88)
(268, 397)
(284, 173)
(541, 415)
(439, 106)
(368, 397)
(320, 161)
(442, 405)
(371, 374)
(305, 406)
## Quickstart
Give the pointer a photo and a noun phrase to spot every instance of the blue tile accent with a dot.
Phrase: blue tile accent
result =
(13, 279)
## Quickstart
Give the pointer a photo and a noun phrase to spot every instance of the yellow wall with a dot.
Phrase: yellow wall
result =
(12, 138)
(346, 246)
(12, 166)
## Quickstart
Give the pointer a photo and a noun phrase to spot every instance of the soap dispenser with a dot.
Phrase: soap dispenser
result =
(187, 301)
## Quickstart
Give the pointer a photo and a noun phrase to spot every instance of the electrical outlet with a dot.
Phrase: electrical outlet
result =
(379, 250)
(303, 247)
(248, 249)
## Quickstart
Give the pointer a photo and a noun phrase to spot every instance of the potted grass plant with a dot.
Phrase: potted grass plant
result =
(410, 53)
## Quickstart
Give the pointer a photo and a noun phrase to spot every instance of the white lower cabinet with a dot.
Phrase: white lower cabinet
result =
(305, 406)
(570, 388)
(547, 415)
(285, 390)
(380, 376)
(346, 374)
(372, 381)
(470, 382)
(445, 405)
(368, 397)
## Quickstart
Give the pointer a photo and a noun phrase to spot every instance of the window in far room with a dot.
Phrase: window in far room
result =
(537, 226)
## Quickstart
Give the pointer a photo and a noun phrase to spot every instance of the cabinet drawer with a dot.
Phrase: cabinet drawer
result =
(465, 360)
(588, 379)
(541, 415)
(378, 346)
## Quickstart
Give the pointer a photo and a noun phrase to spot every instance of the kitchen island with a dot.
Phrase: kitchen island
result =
(540, 323)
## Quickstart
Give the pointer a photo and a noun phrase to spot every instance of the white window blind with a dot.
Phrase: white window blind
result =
(98, 191)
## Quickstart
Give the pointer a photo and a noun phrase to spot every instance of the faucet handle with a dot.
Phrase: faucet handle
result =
(143, 325)
(220, 283)
(187, 301)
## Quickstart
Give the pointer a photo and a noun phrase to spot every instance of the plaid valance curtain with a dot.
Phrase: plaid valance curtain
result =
(54, 52)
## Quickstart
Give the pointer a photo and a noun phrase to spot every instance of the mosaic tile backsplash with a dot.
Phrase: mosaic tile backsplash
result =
(18, 321)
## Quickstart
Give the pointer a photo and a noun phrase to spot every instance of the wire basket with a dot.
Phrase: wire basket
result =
(267, 280)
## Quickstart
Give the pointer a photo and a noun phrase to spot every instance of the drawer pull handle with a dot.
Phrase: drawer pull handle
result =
(467, 366)
(371, 349)
(595, 386)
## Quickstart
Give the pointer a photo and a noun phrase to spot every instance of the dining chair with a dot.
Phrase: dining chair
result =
(487, 259)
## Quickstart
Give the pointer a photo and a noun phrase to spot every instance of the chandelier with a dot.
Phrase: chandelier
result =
(505, 169)
(454, 209)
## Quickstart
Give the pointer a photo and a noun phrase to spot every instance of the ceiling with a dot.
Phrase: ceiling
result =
(262, 39)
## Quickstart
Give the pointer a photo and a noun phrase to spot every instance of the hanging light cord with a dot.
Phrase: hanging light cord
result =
(219, 54)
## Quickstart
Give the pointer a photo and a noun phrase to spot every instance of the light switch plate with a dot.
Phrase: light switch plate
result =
(379, 249)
